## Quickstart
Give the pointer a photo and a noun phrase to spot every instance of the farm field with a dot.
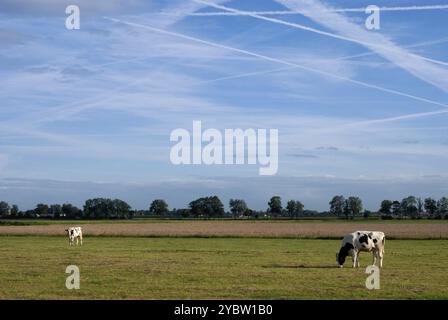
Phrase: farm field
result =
(233, 228)
(33, 267)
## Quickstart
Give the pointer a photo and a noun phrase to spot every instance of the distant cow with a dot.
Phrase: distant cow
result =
(74, 233)
(354, 243)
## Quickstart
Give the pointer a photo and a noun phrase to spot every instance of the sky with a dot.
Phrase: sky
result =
(88, 113)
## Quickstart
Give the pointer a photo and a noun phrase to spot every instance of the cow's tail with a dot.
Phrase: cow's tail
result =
(384, 242)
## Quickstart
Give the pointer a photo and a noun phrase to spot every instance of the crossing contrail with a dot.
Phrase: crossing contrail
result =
(276, 60)
(289, 12)
(369, 53)
(324, 33)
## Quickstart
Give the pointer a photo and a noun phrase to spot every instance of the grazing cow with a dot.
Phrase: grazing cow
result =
(74, 233)
(354, 243)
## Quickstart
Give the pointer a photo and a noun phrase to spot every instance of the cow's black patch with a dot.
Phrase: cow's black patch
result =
(364, 239)
(343, 253)
(375, 241)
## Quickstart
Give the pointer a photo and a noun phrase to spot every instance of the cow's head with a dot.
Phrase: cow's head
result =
(343, 253)
(70, 233)
(339, 263)
(340, 259)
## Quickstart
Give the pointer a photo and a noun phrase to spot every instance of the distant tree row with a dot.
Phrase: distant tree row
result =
(212, 207)
(93, 209)
(101, 208)
(415, 207)
(55, 211)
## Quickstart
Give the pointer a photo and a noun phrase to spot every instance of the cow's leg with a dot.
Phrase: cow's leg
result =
(80, 238)
(357, 260)
(374, 254)
(380, 254)
(354, 258)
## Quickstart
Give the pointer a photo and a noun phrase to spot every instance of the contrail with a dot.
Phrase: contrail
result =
(306, 28)
(359, 55)
(276, 60)
(288, 12)
(390, 119)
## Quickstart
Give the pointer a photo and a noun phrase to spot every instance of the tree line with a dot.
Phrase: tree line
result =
(212, 207)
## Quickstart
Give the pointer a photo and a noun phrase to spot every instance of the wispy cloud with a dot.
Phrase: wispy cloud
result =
(98, 104)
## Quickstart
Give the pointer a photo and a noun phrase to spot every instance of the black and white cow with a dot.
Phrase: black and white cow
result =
(74, 233)
(358, 241)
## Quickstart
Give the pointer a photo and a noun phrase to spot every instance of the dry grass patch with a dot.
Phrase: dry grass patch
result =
(256, 229)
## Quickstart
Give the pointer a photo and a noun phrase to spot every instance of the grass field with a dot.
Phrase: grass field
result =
(33, 267)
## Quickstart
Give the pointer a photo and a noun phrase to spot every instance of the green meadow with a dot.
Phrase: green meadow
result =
(33, 267)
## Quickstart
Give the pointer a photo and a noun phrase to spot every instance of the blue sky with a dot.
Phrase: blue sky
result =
(87, 113)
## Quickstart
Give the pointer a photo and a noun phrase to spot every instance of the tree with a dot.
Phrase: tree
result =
(121, 209)
(159, 207)
(4, 209)
(396, 207)
(337, 205)
(15, 211)
(30, 214)
(41, 210)
(291, 207)
(248, 212)
(420, 206)
(353, 206)
(294, 208)
(409, 206)
(55, 211)
(386, 206)
(238, 207)
(184, 213)
(442, 207)
(367, 214)
(299, 208)
(100, 208)
(207, 206)
(70, 211)
(275, 206)
(431, 206)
